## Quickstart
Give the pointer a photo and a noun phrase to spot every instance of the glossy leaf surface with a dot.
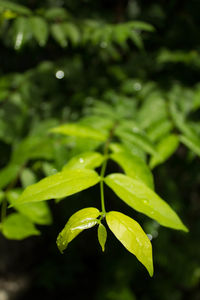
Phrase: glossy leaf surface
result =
(134, 167)
(80, 131)
(82, 219)
(132, 236)
(141, 198)
(102, 236)
(18, 227)
(61, 184)
(38, 212)
(88, 160)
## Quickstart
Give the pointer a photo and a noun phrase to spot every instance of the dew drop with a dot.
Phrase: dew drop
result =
(81, 160)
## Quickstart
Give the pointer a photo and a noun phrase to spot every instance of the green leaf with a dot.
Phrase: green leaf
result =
(21, 32)
(71, 32)
(56, 13)
(132, 236)
(38, 212)
(87, 160)
(2, 194)
(8, 174)
(159, 129)
(27, 177)
(141, 198)
(165, 148)
(80, 131)
(58, 34)
(18, 227)
(134, 167)
(102, 236)
(83, 219)
(138, 139)
(193, 143)
(20, 9)
(39, 28)
(59, 185)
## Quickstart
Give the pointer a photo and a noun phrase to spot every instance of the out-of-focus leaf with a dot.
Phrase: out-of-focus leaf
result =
(132, 236)
(141, 198)
(192, 143)
(39, 28)
(87, 160)
(56, 13)
(59, 35)
(134, 167)
(80, 131)
(137, 40)
(82, 219)
(137, 139)
(1, 196)
(8, 174)
(21, 32)
(27, 177)
(18, 227)
(165, 148)
(59, 185)
(159, 129)
(71, 32)
(139, 25)
(38, 213)
(20, 9)
(102, 236)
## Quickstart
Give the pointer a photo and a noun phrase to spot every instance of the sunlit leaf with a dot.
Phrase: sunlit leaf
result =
(159, 129)
(39, 28)
(165, 148)
(83, 219)
(141, 198)
(132, 236)
(86, 160)
(80, 131)
(18, 227)
(134, 167)
(102, 236)
(59, 185)
(37, 212)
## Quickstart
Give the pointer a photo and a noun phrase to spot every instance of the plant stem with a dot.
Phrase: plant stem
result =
(3, 209)
(103, 168)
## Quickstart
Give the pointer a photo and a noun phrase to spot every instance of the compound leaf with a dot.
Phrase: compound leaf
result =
(89, 160)
(102, 236)
(132, 236)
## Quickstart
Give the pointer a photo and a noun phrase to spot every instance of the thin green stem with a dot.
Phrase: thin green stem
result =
(103, 168)
(3, 209)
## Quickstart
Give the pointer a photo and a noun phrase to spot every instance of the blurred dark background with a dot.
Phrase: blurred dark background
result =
(57, 82)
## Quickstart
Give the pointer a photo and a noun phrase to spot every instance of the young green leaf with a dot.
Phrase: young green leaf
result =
(134, 167)
(102, 236)
(141, 198)
(82, 219)
(86, 160)
(18, 227)
(39, 28)
(159, 129)
(59, 185)
(193, 143)
(80, 131)
(132, 236)
(37, 212)
(165, 148)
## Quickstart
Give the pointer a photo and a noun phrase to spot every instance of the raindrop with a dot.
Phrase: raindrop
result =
(60, 74)
(81, 160)
(150, 236)
(137, 86)
(103, 45)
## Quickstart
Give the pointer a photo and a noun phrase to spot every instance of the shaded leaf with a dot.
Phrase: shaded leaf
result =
(59, 185)
(193, 143)
(18, 227)
(132, 236)
(83, 219)
(8, 174)
(20, 9)
(58, 34)
(38, 212)
(102, 236)
(141, 198)
(39, 28)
